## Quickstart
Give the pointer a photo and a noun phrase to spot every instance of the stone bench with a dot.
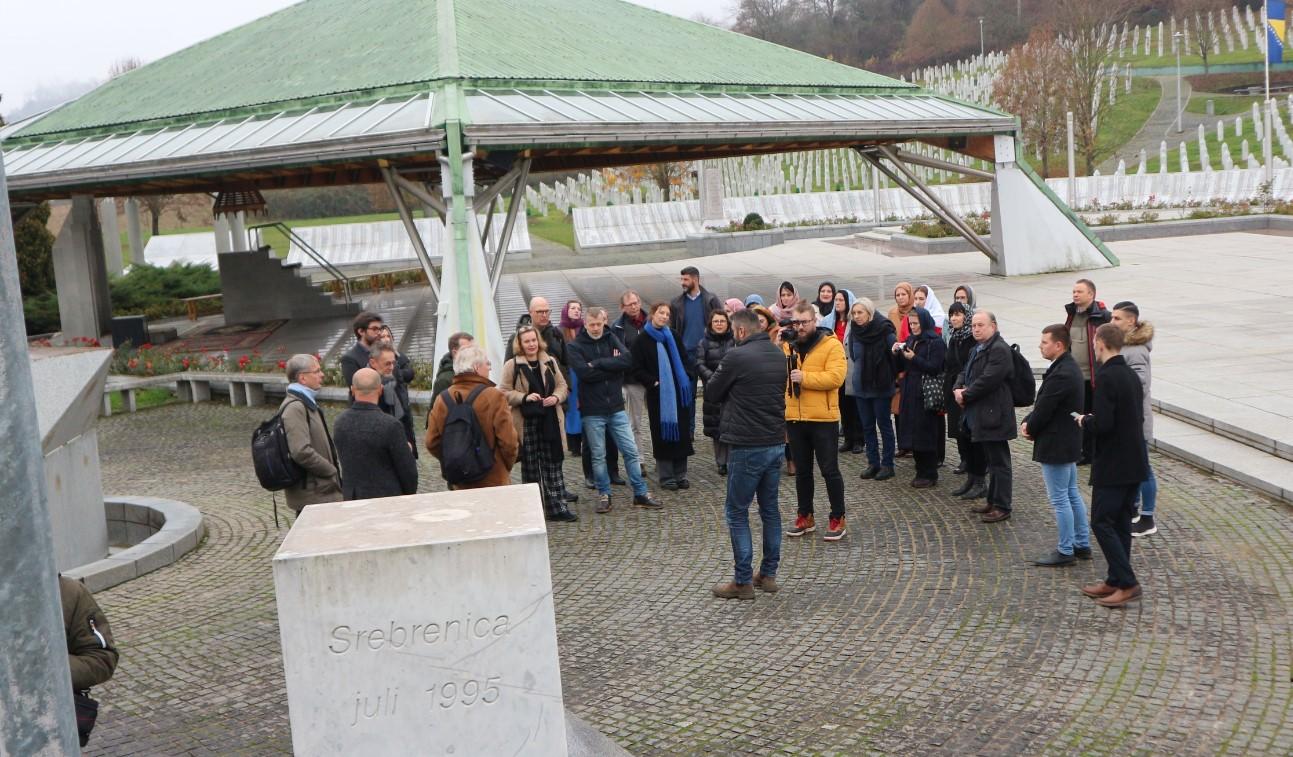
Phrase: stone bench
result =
(246, 389)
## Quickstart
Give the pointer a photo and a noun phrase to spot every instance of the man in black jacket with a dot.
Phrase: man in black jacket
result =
(1083, 316)
(1119, 463)
(600, 361)
(751, 385)
(385, 360)
(375, 455)
(984, 392)
(553, 342)
(1057, 445)
(367, 328)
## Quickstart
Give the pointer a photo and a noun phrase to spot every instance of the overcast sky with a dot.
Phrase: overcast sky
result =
(57, 49)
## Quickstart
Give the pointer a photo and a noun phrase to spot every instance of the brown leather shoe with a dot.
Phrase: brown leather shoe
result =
(981, 508)
(766, 583)
(1121, 597)
(733, 590)
(995, 516)
(1097, 591)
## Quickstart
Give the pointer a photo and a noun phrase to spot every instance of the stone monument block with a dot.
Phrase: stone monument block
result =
(421, 625)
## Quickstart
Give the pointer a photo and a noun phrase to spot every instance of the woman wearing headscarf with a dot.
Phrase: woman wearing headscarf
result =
(786, 299)
(838, 322)
(924, 297)
(869, 349)
(923, 354)
(535, 389)
(964, 294)
(731, 305)
(663, 367)
(825, 299)
(959, 343)
(572, 321)
(709, 353)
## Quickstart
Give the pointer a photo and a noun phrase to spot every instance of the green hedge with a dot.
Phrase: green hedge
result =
(147, 290)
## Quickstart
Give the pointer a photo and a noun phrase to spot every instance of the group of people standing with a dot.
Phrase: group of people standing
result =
(795, 383)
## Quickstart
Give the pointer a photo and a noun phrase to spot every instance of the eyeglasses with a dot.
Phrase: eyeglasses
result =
(798, 322)
(542, 312)
(374, 328)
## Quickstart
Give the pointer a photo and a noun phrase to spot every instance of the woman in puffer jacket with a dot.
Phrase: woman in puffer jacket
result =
(709, 353)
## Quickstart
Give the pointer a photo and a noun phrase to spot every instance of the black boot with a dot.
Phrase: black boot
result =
(978, 491)
(967, 485)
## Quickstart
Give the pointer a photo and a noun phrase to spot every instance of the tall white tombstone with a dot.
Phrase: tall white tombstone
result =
(134, 232)
(421, 625)
(111, 236)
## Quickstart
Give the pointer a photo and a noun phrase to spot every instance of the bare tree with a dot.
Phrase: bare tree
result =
(1088, 30)
(667, 176)
(122, 65)
(708, 20)
(1032, 85)
(156, 205)
(771, 20)
(1206, 33)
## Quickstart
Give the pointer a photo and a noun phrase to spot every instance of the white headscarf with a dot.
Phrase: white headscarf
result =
(934, 307)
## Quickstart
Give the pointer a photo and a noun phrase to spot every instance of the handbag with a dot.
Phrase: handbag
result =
(87, 712)
(931, 390)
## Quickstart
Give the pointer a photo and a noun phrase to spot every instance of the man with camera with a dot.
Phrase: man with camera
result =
(815, 359)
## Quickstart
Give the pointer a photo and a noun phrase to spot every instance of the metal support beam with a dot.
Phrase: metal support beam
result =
(926, 198)
(35, 698)
(423, 196)
(494, 190)
(505, 239)
(411, 228)
(944, 165)
(489, 221)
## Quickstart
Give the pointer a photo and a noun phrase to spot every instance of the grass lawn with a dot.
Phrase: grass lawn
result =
(144, 398)
(555, 227)
(1191, 139)
(1224, 105)
(1119, 125)
(1240, 55)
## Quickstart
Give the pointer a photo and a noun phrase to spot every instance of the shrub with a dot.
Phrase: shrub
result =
(929, 229)
(753, 222)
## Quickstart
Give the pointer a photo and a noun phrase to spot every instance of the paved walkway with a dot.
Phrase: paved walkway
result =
(1161, 127)
(924, 631)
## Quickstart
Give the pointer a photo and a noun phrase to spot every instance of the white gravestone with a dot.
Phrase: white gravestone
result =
(421, 625)
(711, 193)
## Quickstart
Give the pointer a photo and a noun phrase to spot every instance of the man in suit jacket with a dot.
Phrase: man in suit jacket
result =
(375, 454)
(1057, 445)
(367, 328)
(1119, 463)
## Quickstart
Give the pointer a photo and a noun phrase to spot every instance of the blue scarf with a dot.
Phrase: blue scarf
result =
(304, 392)
(574, 418)
(673, 379)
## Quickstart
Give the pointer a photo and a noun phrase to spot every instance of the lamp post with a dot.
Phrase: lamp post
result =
(1177, 38)
(981, 52)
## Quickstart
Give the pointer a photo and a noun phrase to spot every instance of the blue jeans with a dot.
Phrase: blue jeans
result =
(1070, 509)
(751, 472)
(875, 412)
(596, 428)
(1147, 497)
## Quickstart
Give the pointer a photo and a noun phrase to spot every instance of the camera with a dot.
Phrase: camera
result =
(788, 333)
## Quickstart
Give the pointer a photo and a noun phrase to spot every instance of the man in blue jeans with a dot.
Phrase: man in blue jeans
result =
(751, 383)
(600, 360)
(1057, 445)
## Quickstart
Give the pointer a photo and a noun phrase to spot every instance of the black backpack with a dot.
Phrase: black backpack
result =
(465, 457)
(1023, 387)
(271, 456)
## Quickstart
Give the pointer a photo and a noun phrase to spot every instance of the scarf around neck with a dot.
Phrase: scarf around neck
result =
(674, 383)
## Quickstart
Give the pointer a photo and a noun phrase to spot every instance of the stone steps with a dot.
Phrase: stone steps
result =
(1223, 456)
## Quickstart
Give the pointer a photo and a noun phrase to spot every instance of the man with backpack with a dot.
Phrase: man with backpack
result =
(984, 391)
(308, 441)
(470, 430)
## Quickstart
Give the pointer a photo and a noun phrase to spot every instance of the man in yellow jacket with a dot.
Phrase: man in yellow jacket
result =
(817, 370)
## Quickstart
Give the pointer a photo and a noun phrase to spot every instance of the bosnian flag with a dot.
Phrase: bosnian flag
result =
(1276, 32)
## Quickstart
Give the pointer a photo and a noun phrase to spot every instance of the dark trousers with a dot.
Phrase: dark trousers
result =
(926, 464)
(993, 459)
(850, 425)
(963, 449)
(1112, 508)
(809, 439)
(1088, 397)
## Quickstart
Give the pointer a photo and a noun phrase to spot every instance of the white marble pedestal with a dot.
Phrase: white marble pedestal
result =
(421, 625)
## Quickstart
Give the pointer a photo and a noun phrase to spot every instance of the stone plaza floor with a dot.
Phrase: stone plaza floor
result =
(922, 632)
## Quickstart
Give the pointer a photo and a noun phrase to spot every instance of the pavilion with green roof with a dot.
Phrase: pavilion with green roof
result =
(456, 102)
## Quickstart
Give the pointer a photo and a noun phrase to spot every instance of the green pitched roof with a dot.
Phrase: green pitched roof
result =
(319, 49)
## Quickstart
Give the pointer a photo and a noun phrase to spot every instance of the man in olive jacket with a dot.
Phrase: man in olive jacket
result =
(1057, 445)
(308, 440)
(1119, 463)
(90, 652)
(984, 392)
(750, 383)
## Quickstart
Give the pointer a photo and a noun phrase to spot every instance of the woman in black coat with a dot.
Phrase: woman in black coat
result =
(921, 430)
(671, 431)
(959, 343)
(709, 353)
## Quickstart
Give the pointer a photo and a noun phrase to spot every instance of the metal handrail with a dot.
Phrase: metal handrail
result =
(293, 237)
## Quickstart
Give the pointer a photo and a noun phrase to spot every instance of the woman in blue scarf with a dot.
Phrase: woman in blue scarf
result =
(668, 372)
(921, 429)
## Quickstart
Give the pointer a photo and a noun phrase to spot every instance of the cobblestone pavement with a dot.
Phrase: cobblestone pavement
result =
(923, 632)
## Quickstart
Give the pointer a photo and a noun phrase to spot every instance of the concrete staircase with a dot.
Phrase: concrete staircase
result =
(1221, 443)
(258, 287)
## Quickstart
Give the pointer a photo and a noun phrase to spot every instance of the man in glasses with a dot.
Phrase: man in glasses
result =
(541, 319)
(368, 331)
(308, 440)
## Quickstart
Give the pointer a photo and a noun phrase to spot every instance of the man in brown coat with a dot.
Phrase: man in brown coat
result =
(471, 370)
(308, 439)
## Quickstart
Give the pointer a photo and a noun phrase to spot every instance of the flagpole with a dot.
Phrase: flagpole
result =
(1268, 153)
